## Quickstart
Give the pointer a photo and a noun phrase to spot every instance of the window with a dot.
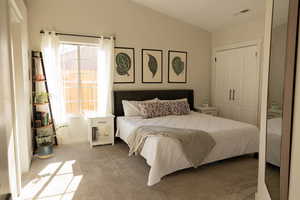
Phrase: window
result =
(79, 70)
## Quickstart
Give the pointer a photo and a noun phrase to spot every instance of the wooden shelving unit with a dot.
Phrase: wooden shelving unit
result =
(50, 123)
(47, 126)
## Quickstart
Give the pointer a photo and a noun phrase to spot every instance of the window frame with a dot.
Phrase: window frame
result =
(79, 81)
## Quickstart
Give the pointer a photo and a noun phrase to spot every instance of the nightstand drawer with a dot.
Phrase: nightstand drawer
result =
(99, 122)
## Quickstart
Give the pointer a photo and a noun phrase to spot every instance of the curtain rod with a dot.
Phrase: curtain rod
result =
(80, 35)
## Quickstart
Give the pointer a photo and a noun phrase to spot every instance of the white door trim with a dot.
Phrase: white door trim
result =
(15, 175)
(262, 191)
(18, 40)
(238, 45)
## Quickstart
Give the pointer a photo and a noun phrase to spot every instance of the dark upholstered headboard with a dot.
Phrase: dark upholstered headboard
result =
(140, 95)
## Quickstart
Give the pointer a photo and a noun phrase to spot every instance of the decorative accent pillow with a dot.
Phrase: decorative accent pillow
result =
(155, 109)
(131, 108)
(180, 107)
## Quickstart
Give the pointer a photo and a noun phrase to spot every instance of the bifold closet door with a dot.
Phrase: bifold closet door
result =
(237, 84)
(222, 93)
(249, 93)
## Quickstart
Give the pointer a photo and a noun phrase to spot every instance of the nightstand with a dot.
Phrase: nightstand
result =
(100, 129)
(207, 110)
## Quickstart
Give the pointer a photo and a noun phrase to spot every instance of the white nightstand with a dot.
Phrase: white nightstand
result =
(100, 129)
(207, 110)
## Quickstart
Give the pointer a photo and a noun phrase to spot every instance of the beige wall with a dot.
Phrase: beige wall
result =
(250, 31)
(134, 26)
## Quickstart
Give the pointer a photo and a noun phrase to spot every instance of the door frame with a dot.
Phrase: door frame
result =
(288, 97)
(259, 44)
(20, 85)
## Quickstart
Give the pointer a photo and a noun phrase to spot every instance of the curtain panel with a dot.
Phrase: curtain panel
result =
(50, 50)
(105, 75)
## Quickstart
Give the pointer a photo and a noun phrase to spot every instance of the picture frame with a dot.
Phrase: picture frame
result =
(177, 66)
(152, 66)
(124, 65)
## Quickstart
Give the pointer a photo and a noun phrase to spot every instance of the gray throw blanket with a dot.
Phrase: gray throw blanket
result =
(195, 144)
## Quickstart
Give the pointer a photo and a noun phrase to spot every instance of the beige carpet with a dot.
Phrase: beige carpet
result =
(107, 173)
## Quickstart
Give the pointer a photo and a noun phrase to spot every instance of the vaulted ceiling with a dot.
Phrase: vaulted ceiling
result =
(208, 14)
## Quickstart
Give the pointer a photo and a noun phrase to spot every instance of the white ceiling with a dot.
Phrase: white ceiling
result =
(208, 14)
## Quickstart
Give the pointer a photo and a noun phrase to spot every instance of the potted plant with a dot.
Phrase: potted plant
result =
(45, 145)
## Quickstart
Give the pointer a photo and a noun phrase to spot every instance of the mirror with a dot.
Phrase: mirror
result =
(275, 96)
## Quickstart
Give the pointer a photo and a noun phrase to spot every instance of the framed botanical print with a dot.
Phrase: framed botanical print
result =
(124, 65)
(177, 66)
(152, 62)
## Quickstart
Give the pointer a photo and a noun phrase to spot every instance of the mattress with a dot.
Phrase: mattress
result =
(164, 156)
(273, 141)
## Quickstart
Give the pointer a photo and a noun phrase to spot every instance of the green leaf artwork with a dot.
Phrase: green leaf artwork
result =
(123, 64)
(152, 64)
(177, 65)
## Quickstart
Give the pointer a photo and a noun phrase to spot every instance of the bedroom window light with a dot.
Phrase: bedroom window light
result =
(79, 68)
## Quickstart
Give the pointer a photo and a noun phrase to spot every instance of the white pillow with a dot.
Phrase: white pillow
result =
(131, 108)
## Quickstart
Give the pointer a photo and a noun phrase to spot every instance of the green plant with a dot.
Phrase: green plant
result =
(44, 140)
(41, 97)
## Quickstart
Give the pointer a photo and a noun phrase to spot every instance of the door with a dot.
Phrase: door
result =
(248, 95)
(237, 84)
(222, 93)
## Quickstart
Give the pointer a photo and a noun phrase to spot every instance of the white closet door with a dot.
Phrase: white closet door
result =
(248, 98)
(237, 70)
(235, 82)
(222, 83)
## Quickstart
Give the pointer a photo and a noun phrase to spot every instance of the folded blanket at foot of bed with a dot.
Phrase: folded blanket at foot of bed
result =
(195, 144)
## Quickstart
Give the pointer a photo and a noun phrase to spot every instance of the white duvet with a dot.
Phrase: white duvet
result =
(164, 155)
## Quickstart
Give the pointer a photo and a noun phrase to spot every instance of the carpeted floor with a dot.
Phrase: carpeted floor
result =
(107, 173)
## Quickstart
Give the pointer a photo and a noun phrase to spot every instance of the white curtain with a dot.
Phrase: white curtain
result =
(50, 50)
(105, 75)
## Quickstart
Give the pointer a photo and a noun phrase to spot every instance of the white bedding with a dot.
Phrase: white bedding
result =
(164, 155)
(273, 141)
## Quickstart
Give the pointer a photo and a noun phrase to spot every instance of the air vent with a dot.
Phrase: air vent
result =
(241, 12)
(244, 11)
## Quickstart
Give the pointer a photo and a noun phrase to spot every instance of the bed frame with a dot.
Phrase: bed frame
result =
(140, 95)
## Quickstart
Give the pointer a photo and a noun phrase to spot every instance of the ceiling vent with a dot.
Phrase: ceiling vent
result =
(241, 12)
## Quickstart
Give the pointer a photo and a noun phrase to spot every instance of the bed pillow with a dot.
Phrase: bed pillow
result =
(155, 109)
(173, 100)
(179, 107)
(131, 108)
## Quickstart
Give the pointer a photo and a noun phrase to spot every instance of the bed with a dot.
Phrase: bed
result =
(274, 141)
(162, 154)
